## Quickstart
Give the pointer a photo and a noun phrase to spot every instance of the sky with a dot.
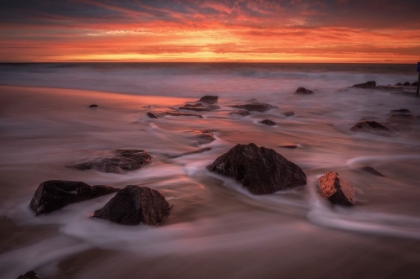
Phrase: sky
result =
(331, 31)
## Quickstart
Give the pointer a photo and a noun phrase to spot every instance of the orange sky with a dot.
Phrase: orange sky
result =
(386, 31)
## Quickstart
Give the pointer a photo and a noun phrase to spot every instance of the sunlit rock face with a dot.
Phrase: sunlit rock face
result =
(134, 205)
(52, 195)
(259, 169)
(337, 190)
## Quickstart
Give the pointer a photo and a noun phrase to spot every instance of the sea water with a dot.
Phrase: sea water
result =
(216, 228)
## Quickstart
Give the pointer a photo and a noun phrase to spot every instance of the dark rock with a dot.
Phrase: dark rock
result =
(400, 110)
(190, 153)
(368, 126)
(337, 190)
(400, 117)
(93, 106)
(268, 122)
(259, 169)
(240, 112)
(414, 83)
(199, 107)
(407, 83)
(52, 195)
(261, 107)
(29, 275)
(303, 91)
(398, 84)
(121, 160)
(134, 205)
(203, 136)
(288, 113)
(369, 84)
(371, 170)
(209, 99)
(290, 146)
(153, 115)
(175, 113)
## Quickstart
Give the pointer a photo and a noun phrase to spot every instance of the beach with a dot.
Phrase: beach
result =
(216, 228)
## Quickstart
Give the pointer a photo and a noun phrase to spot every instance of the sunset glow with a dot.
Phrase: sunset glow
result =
(210, 31)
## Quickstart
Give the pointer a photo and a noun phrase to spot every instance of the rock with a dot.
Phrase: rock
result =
(369, 84)
(52, 195)
(29, 275)
(118, 161)
(199, 107)
(209, 99)
(152, 115)
(400, 110)
(368, 126)
(398, 84)
(134, 205)
(290, 146)
(240, 112)
(173, 113)
(371, 170)
(407, 83)
(93, 106)
(288, 113)
(303, 91)
(261, 107)
(337, 190)
(259, 169)
(201, 150)
(268, 122)
(400, 117)
(414, 83)
(203, 136)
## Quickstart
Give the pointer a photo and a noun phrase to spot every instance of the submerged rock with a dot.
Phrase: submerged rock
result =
(240, 112)
(176, 113)
(303, 91)
(29, 275)
(369, 84)
(259, 169)
(93, 106)
(371, 170)
(401, 110)
(199, 107)
(268, 122)
(153, 115)
(337, 190)
(260, 107)
(288, 113)
(209, 99)
(369, 126)
(204, 136)
(52, 195)
(400, 117)
(122, 160)
(134, 205)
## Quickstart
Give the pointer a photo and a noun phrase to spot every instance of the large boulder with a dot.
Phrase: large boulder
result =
(369, 84)
(259, 169)
(116, 161)
(337, 190)
(303, 91)
(134, 205)
(260, 107)
(52, 195)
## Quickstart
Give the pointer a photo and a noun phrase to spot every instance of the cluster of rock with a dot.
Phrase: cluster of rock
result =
(406, 84)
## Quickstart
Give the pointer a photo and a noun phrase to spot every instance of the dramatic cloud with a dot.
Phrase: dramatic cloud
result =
(243, 30)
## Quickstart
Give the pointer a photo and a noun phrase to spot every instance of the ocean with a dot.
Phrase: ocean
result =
(216, 228)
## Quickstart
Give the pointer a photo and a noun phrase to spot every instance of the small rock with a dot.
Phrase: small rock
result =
(398, 84)
(118, 161)
(260, 107)
(400, 110)
(29, 275)
(240, 112)
(203, 136)
(407, 83)
(259, 169)
(336, 189)
(368, 126)
(199, 107)
(268, 122)
(134, 205)
(93, 106)
(152, 115)
(369, 84)
(290, 146)
(288, 113)
(52, 195)
(414, 83)
(209, 99)
(371, 170)
(173, 113)
(400, 117)
(303, 91)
